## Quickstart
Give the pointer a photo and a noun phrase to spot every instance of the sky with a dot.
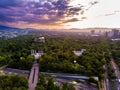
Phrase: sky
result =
(60, 14)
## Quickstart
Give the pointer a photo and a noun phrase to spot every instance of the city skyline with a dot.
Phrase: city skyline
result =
(60, 14)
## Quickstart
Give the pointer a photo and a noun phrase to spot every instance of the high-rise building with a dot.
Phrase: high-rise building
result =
(115, 33)
(92, 32)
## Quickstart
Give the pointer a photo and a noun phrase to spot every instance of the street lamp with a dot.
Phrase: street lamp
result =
(75, 61)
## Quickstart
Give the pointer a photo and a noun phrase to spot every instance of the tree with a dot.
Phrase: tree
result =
(51, 84)
(66, 86)
(42, 80)
(13, 82)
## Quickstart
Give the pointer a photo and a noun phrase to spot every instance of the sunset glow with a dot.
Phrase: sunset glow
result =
(60, 14)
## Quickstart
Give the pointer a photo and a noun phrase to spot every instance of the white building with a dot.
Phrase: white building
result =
(79, 53)
(40, 39)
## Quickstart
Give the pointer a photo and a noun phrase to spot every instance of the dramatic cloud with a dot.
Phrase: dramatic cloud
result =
(10, 3)
(39, 11)
(71, 20)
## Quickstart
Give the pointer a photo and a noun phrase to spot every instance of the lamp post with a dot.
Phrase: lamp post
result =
(75, 61)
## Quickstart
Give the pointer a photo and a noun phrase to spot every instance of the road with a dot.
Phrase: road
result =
(16, 71)
(116, 71)
(77, 85)
(33, 78)
(60, 81)
(69, 78)
(107, 82)
(3, 67)
(64, 75)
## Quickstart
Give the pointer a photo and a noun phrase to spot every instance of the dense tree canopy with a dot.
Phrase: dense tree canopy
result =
(115, 48)
(58, 53)
(16, 52)
(59, 56)
(13, 82)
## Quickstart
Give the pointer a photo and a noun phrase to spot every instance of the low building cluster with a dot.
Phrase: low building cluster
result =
(6, 34)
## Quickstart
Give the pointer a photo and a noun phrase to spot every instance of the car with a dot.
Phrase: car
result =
(74, 82)
(53, 75)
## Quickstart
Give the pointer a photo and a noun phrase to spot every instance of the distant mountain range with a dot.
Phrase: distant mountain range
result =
(2, 28)
(7, 28)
